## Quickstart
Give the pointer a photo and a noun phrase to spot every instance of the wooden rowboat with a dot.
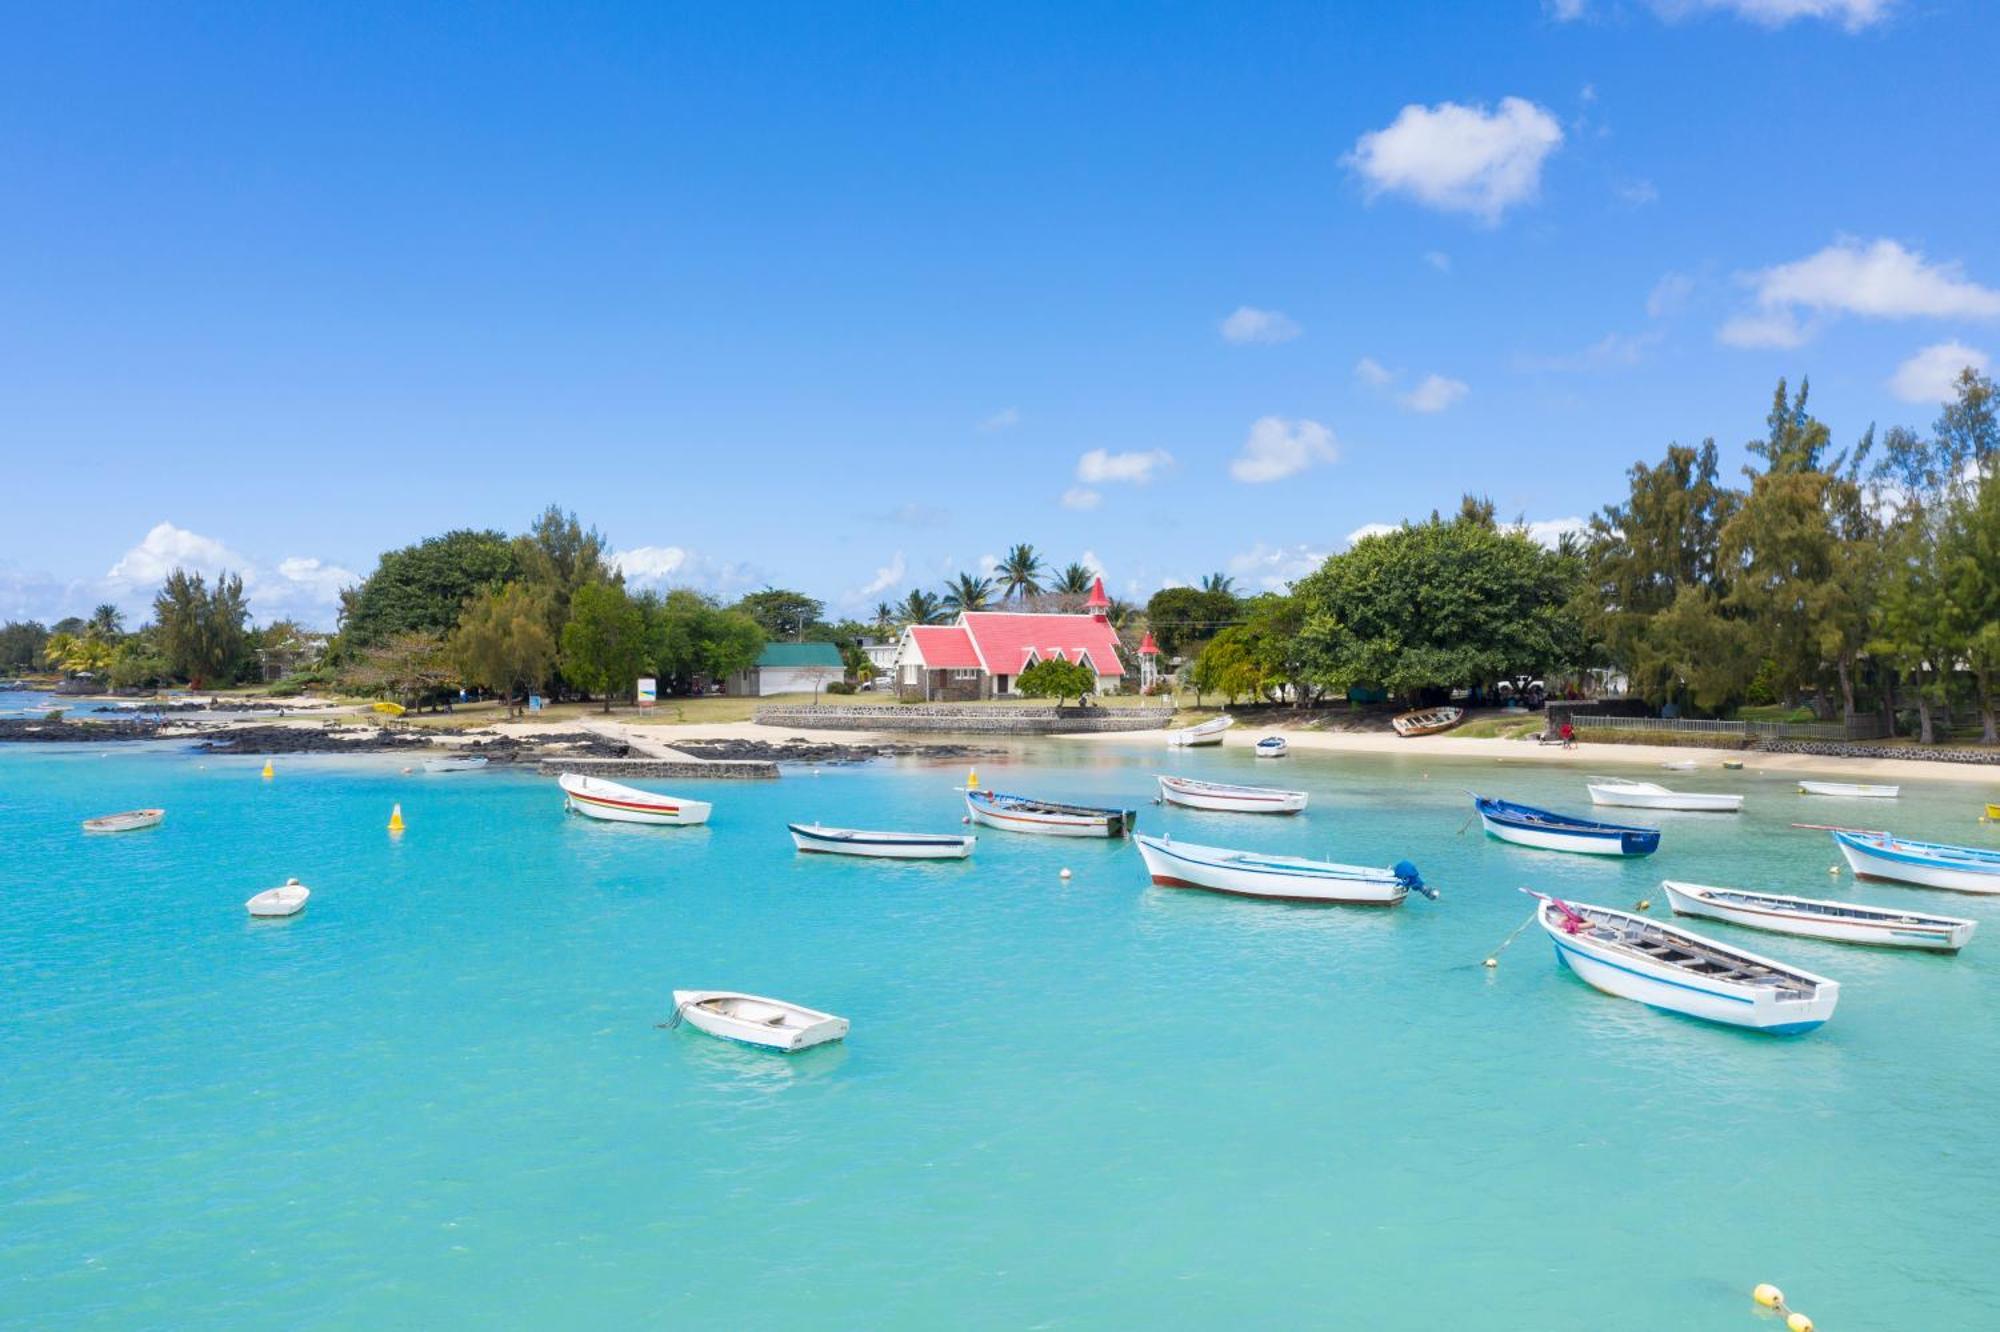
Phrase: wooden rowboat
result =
(881, 845)
(1673, 969)
(1203, 733)
(1816, 918)
(1426, 721)
(1275, 746)
(1024, 814)
(752, 1019)
(456, 763)
(1277, 878)
(617, 803)
(286, 900)
(1651, 795)
(1525, 825)
(129, 821)
(1958, 869)
(1229, 798)
(1862, 789)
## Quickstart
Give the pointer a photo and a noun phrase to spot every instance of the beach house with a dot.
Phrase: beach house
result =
(982, 654)
(790, 668)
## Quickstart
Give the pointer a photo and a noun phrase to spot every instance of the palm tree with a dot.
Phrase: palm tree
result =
(107, 621)
(1020, 573)
(885, 616)
(1073, 583)
(967, 592)
(1218, 582)
(920, 607)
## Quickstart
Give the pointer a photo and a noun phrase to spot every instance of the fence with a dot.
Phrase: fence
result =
(1866, 726)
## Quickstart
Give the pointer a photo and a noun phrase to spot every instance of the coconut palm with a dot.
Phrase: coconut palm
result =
(1073, 584)
(1218, 582)
(107, 621)
(920, 607)
(885, 616)
(967, 592)
(57, 651)
(1020, 572)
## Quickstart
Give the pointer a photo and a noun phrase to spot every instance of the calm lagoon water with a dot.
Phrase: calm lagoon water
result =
(439, 1097)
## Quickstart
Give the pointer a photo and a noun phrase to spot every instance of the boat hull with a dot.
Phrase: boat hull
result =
(1858, 790)
(818, 1028)
(130, 821)
(1231, 800)
(1108, 823)
(454, 764)
(1584, 843)
(1672, 990)
(274, 903)
(1172, 865)
(1870, 861)
(1942, 934)
(880, 846)
(614, 803)
(1272, 749)
(1690, 802)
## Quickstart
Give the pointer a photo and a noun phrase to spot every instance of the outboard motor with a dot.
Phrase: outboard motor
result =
(1406, 874)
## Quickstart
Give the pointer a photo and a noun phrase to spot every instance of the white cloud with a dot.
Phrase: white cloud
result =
(889, 576)
(1549, 531)
(1275, 567)
(316, 577)
(1668, 295)
(1462, 159)
(1277, 448)
(1249, 324)
(649, 564)
(1366, 530)
(1434, 394)
(676, 566)
(1852, 15)
(1090, 561)
(166, 548)
(1100, 466)
(1081, 497)
(1608, 352)
(1931, 376)
(1637, 193)
(1438, 259)
(1875, 280)
(1001, 420)
(1372, 372)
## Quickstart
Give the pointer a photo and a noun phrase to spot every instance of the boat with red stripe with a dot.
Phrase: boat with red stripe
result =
(1229, 797)
(614, 802)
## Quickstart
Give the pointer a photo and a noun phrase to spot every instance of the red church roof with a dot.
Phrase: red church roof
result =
(1006, 642)
(1098, 601)
(1147, 647)
(945, 647)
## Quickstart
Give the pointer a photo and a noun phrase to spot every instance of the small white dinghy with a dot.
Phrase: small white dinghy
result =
(1230, 798)
(129, 821)
(1217, 869)
(1816, 918)
(1680, 765)
(287, 900)
(1681, 972)
(1273, 746)
(616, 803)
(457, 763)
(752, 1019)
(1850, 789)
(1204, 733)
(1651, 795)
(881, 845)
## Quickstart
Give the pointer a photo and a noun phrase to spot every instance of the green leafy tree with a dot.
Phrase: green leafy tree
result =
(1230, 664)
(202, 630)
(607, 643)
(1057, 679)
(1970, 572)
(21, 643)
(138, 663)
(410, 666)
(426, 586)
(693, 639)
(502, 642)
(921, 607)
(558, 555)
(1183, 618)
(967, 592)
(1020, 572)
(782, 614)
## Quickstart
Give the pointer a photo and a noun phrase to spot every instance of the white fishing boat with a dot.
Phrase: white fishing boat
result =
(1273, 746)
(1426, 721)
(456, 763)
(286, 900)
(1047, 817)
(881, 845)
(1651, 795)
(129, 821)
(617, 803)
(1816, 918)
(752, 1019)
(1958, 869)
(1202, 733)
(1682, 972)
(1230, 798)
(1861, 789)
(1680, 765)
(1277, 878)
(1525, 825)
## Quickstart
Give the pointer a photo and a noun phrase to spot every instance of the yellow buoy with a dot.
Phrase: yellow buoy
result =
(396, 819)
(1769, 1296)
(1645, 904)
(1798, 1322)
(972, 779)
(269, 771)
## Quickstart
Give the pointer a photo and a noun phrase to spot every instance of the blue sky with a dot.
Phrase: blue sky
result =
(849, 297)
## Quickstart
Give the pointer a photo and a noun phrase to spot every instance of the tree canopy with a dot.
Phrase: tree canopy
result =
(606, 644)
(425, 586)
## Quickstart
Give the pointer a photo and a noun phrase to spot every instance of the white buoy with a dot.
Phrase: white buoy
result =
(1065, 873)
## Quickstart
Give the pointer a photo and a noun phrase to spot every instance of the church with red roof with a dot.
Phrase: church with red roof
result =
(984, 652)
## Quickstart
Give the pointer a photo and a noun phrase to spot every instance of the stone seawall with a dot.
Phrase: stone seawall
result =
(1858, 749)
(967, 720)
(683, 769)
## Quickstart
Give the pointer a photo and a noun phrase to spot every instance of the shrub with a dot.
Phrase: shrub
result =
(839, 687)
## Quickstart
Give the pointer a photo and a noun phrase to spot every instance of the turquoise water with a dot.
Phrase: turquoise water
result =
(439, 1098)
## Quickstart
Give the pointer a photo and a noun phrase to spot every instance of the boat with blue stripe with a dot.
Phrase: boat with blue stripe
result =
(1957, 869)
(881, 845)
(1219, 869)
(1636, 957)
(1525, 825)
